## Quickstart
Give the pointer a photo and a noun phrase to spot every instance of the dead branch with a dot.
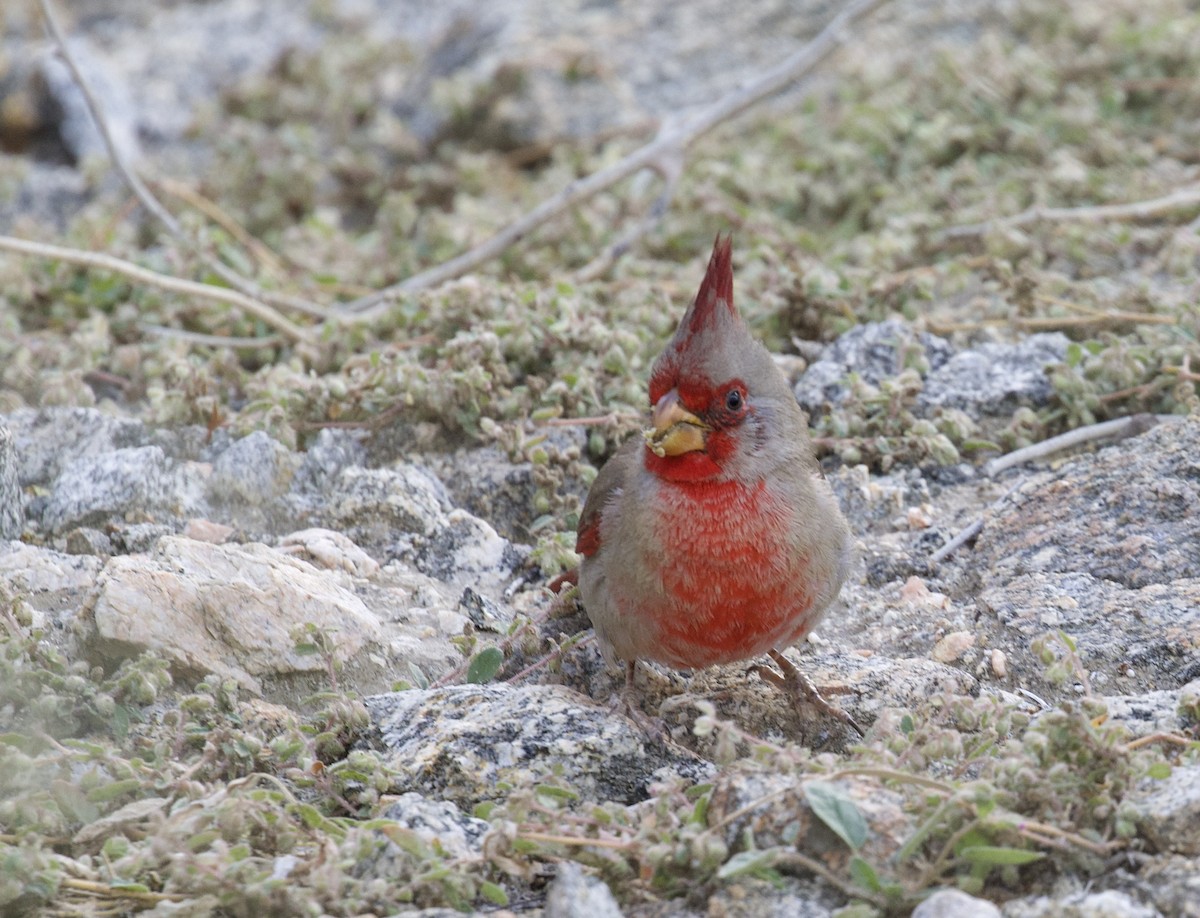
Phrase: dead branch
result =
(1118, 429)
(1188, 196)
(673, 138)
(163, 281)
(147, 199)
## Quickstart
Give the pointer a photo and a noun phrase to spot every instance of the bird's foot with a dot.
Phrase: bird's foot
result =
(800, 687)
(625, 701)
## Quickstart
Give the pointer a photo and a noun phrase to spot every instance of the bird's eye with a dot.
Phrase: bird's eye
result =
(733, 400)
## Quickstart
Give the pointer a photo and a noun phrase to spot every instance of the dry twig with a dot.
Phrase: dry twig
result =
(163, 281)
(673, 139)
(153, 206)
(1120, 428)
(1180, 199)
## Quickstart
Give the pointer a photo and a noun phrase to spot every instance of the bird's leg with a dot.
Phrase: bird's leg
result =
(626, 701)
(800, 687)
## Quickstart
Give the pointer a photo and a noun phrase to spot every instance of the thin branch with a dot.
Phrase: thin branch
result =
(204, 340)
(795, 859)
(163, 281)
(671, 173)
(675, 136)
(964, 536)
(194, 199)
(153, 206)
(601, 420)
(1186, 197)
(1120, 428)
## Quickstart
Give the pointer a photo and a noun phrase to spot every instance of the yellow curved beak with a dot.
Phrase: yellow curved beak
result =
(674, 430)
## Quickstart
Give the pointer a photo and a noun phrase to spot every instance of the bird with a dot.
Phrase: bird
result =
(714, 536)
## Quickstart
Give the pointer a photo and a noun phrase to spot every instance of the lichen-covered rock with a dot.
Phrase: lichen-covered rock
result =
(439, 821)
(575, 894)
(875, 351)
(12, 516)
(1169, 810)
(50, 439)
(50, 581)
(1081, 903)
(954, 903)
(225, 609)
(1129, 639)
(132, 482)
(995, 378)
(254, 470)
(463, 743)
(1130, 514)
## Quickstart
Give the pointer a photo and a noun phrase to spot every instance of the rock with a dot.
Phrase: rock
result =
(50, 439)
(75, 127)
(330, 550)
(225, 609)
(776, 809)
(994, 378)
(954, 903)
(203, 530)
(1110, 903)
(1172, 883)
(464, 742)
(1147, 713)
(1127, 638)
(1169, 810)
(52, 582)
(12, 516)
(326, 457)
(120, 484)
(439, 821)
(1130, 514)
(875, 351)
(406, 512)
(575, 894)
(86, 541)
(375, 506)
(253, 471)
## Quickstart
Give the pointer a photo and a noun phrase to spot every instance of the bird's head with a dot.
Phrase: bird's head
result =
(716, 395)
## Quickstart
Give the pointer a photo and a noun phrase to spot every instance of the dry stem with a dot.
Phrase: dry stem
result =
(675, 136)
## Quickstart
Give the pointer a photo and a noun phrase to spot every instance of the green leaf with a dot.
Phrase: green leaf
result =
(996, 856)
(419, 678)
(493, 893)
(128, 886)
(1159, 771)
(484, 665)
(864, 874)
(747, 862)
(906, 725)
(556, 793)
(837, 811)
(108, 792)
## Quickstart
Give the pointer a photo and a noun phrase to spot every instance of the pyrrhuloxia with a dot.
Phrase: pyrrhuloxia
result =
(714, 537)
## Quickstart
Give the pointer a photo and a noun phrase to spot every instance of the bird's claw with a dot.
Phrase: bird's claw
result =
(800, 687)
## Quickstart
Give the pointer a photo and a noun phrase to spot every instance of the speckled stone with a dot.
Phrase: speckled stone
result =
(995, 378)
(118, 484)
(11, 515)
(954, 903)
(1169, 810)
(1130, 514)
(575, 894)
(464, 742)
(874, 351)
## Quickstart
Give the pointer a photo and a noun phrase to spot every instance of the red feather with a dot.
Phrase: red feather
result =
(716, 288)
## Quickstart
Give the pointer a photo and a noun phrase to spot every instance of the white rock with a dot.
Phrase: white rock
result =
(225, 609)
